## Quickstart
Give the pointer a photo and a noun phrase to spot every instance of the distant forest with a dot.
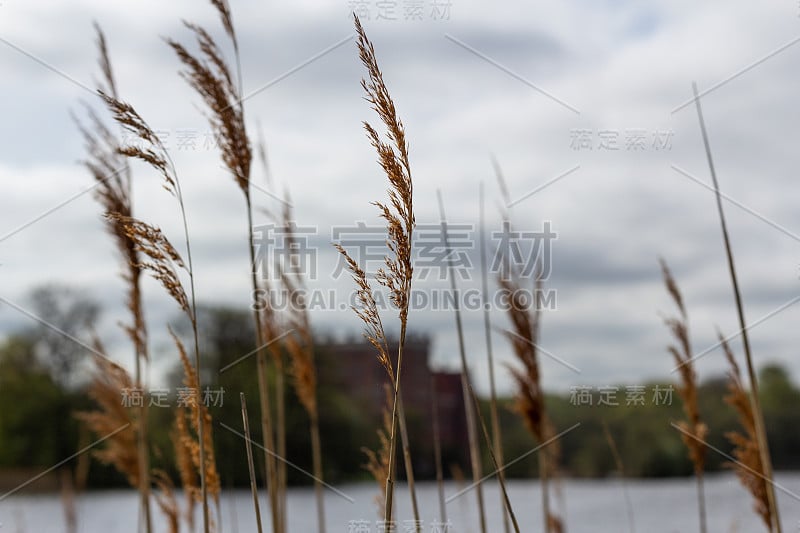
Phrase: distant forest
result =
(43, 378)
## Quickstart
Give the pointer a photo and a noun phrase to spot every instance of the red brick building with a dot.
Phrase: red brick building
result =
(358, 372)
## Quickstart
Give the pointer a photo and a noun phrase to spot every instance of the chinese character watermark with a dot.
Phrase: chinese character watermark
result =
(629, 140)
(401, 10)
(402, 526)
(610, 396)
(185, 397)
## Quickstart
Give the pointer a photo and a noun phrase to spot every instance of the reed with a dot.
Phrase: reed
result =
(471, 404)
(378, 460)
(437, 451)
(112, 174)
(758, 414)
(212, 78)
(748, 466)
(399, 217)
(166, 499)
(112, 417)
(250, 466)
(612, 445)
(466, 384)
(162, 259)
(524, 337)
(497, 436)
(197, 435)
(693, 430)
(300, 348)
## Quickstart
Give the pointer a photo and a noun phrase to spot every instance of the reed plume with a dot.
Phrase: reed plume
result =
(693, 430)
(529, 402)
(399, 217)
(182, 441)
(108, 387)
(748, 466)
(112, 174)
(300, 348)
(209, 74)
(378, 461)
(191, 436)
(166, 499)
(758, 414)
(164, 259)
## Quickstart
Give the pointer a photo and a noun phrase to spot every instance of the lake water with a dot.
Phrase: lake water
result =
(591, 506)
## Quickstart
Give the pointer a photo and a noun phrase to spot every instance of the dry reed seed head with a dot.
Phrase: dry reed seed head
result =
(393, 158)
(110, 171)
(529, 400)
(554, 524)
(271, 330)
(210, 76)
(378, 96)
(127, 117)
(104, 61)
(225, 16)
(748, 466)
(672, 286)
(368, 313)
(303, 372)
(155, 160)
(165, 498)
(183, 444)
(694, 431)
(378, 462)
(198, 410)
(106, 389)
(155, 154)
(165, 261)
(529, 403)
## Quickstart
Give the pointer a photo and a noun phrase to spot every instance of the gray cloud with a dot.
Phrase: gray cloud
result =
(625, 66)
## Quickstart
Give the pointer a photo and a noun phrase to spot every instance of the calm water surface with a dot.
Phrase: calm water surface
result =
(662, 506)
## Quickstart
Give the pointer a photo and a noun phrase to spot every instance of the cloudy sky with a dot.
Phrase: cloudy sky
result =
(583, 104)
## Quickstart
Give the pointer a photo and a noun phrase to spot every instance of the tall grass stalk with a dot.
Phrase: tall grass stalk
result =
(300, 348)
(466, 385)
(250, 466)
(747, 464)
(210, 76)
(524, 338)
(612, 445)
(694, 431)
(471, 404)
(399, 217)
(165, 260)
(114, 193)
(437, 451)
(401, 423)
(760, 430)
(497, 437)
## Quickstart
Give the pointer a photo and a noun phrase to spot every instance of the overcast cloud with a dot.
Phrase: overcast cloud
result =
(513, 79)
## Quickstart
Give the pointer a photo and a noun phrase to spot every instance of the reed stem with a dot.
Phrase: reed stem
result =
(497, 438)
(437, 451)
(263, 383)
(758, 414)
(250, 465)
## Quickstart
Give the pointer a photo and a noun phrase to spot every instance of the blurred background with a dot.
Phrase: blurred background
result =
(583, 107)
